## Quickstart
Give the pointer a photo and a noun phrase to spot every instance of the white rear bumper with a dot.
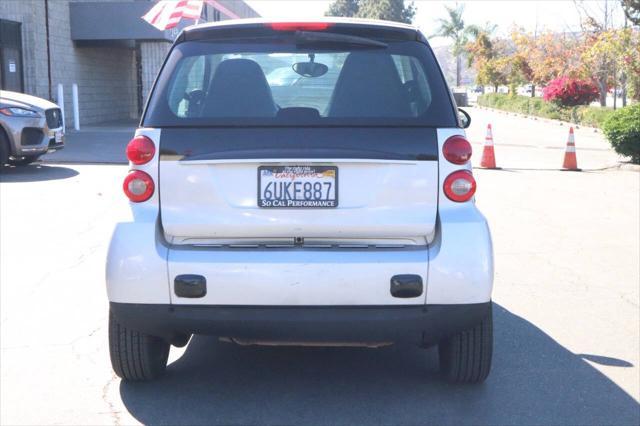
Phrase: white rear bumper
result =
(457, 268)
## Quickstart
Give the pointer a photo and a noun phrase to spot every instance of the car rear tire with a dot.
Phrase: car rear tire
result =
(136, 356)
(23, 161)
(4, 148)
(466, 357)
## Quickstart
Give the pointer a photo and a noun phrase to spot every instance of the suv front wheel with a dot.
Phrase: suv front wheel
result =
(4, 148)
(466, 357)
(136, 356)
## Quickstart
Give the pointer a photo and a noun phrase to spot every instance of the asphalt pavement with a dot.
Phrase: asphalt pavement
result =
(98, 144)
(567, 314)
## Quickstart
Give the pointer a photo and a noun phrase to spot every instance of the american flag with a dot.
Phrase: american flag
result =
(166, 14)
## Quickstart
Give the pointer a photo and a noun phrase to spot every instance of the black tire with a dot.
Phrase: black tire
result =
(136, 356)
(23, 161)
(4, 148)
(466, 357)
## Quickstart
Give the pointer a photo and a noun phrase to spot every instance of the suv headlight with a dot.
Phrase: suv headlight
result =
(18, 112)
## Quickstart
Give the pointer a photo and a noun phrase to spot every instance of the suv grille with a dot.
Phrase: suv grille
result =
(54, 118)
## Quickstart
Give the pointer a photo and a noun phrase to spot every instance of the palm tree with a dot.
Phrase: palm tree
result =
(453, 28)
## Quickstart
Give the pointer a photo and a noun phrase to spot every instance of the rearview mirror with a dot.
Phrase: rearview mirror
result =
(310, 69)
(465, 118)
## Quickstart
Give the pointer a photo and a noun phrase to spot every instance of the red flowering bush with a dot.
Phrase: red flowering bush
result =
(567, 91)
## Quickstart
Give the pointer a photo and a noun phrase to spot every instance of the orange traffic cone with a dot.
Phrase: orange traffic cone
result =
(488, 156)
(570, 161)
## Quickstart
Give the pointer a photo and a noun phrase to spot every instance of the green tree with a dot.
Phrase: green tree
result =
(622, 48)
(387, 10)
(480, 54)
(632, 10)
(517, 71)
(547, 56)
(522, 71)
(494, 68)
(492, 73)
(453, 28)
(595, 22)
(346, 8)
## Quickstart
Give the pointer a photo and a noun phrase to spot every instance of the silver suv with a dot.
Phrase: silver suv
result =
(29, 128)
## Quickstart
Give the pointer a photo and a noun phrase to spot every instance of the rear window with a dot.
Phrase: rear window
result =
(280, 82)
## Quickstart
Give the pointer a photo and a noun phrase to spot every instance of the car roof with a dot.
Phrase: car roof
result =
(213, 29)
(330, 20)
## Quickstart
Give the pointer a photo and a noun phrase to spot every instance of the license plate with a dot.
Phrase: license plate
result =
(58, 137)
(297, 186)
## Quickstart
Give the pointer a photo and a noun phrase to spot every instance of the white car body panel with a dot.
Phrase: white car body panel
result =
(456, 267)
(461, 257)
(377, 199)
(137, 265)
(298, 277)
(136, 269)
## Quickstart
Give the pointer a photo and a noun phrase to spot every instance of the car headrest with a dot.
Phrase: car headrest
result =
(369, 86)
(239, 89)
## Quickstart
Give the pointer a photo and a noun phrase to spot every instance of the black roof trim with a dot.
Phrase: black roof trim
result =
(256, 30)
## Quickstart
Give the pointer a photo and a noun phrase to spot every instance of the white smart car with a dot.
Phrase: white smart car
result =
(343, 215)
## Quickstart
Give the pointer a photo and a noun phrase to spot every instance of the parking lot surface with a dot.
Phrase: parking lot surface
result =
(567, 321)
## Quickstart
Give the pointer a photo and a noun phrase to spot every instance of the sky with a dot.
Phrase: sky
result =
(554, 15)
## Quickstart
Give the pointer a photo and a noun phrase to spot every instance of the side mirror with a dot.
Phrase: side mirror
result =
(465, 118)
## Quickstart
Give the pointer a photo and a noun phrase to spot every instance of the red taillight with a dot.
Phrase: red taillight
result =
(299, 26)
(457, 150)
(138, 186)
(140, 150)
(460, 186)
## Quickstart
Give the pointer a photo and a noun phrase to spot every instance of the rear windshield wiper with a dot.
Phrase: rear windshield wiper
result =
(314, 37)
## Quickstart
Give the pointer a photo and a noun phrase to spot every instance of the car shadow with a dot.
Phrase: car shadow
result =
(35, 173)
(534, 381)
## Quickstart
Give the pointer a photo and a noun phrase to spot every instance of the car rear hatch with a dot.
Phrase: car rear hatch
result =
(380, 191)
(343, 156)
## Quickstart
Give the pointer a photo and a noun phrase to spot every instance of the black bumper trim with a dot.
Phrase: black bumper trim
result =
(53, 146)
(423, 324)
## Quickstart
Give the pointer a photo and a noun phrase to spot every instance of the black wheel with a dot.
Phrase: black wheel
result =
(4, 148)
(136, 356)
(466, 357)
(23, 161)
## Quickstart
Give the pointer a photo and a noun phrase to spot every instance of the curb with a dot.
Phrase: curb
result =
(627, 167)
(536, 118)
